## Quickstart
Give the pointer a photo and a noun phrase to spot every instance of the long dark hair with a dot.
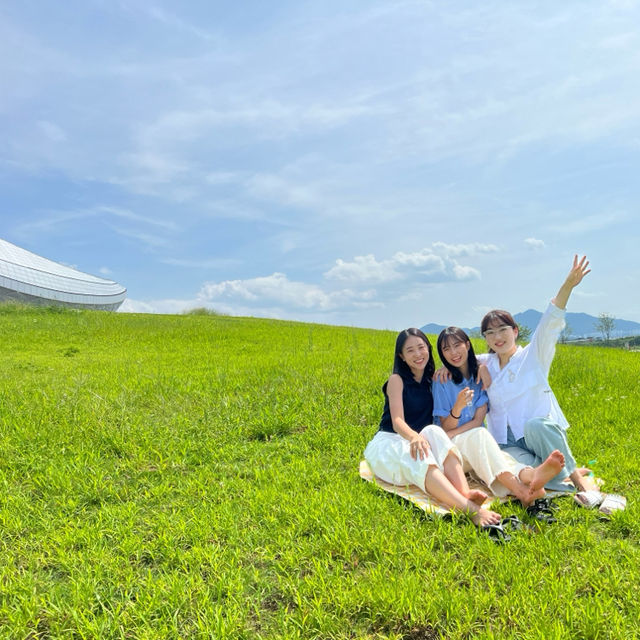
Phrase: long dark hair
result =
(497, 318)
(400, 366)
(457, 334)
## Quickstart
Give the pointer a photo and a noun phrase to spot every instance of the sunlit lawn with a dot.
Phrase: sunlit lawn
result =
(196, 477)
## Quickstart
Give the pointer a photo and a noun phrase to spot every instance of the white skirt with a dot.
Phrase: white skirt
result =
(481, 453)
(389, 456)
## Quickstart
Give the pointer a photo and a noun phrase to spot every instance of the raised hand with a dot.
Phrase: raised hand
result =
(578, 271)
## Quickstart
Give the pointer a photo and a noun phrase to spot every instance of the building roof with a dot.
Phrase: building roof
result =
(32, 276)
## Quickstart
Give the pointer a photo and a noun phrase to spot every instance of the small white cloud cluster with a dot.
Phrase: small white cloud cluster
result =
(534, 244)
(348, 284)
(278, 289)
(434, 264)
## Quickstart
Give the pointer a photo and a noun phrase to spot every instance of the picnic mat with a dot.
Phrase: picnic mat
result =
(427, 503)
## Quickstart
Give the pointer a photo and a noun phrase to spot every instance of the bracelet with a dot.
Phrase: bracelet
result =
(451, 414)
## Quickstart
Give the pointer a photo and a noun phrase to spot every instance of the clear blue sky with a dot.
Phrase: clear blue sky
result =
(377, 164)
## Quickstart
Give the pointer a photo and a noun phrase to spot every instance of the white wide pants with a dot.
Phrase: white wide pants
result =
(389, 456)
(482, 454)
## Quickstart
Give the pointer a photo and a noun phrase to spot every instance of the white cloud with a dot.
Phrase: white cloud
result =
(170, 148)
(278, 189)
(204, 121)
(272, 296)
(136, 306)
(55, 220)
(581, 293)
(322, 186)
(60, 219)
(171, 306)
(363, 269)
(473, 249)
(465, 273)
(147, 239)
(399, 278)
(534, 244)
(435, 264)
(278, 289)
(145, 169)
(271, 118)
(126, 214)
(425, 261)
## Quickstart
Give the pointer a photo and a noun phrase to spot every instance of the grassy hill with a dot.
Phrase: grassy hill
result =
(196, 477)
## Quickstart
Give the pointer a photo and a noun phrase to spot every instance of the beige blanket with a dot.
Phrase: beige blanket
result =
(426, 502)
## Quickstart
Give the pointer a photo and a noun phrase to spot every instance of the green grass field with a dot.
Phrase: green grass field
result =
(196, 477)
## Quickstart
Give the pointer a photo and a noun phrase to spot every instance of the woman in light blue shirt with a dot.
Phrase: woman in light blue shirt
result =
(460, 406)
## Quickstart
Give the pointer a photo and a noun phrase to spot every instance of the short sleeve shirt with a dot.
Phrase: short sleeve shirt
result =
(446, 393)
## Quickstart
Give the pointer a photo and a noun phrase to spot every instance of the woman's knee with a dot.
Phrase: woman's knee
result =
(434, 432)
(543, 435)
(479, 436)
(537, 427)
(533, 424)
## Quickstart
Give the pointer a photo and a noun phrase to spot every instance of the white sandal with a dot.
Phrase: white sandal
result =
(589, 499)
(613, 502)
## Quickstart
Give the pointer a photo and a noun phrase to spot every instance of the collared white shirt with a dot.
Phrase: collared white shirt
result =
(520, 391)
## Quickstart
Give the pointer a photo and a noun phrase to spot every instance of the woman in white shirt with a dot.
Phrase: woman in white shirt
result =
(524, 415)
(460, 406)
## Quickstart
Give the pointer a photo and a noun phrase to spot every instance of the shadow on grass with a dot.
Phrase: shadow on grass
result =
(407, 630)
(411, 506)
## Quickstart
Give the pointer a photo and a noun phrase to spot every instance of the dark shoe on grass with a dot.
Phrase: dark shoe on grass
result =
(542, 510)
(496, 532)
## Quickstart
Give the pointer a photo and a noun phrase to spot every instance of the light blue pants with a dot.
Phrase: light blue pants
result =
(541, 437)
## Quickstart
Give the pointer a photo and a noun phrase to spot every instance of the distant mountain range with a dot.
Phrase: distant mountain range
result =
(582, 325)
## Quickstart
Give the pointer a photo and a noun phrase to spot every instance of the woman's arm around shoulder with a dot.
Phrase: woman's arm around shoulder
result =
(483, 376)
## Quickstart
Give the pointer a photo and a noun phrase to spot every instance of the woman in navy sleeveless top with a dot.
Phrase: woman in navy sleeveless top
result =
(408, 448)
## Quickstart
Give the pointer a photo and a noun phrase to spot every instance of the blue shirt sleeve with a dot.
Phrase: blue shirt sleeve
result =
(441, 402)
(444, 397)
(480, 396)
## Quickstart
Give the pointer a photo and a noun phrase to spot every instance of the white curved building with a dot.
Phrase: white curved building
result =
(27, 277)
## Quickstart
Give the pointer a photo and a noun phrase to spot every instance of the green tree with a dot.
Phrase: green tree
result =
(605, 325)
(524, 333)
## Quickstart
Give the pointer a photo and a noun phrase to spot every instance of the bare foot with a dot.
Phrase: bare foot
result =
(477, 496)
(549, 469)
(526, 496)
(482, 517)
